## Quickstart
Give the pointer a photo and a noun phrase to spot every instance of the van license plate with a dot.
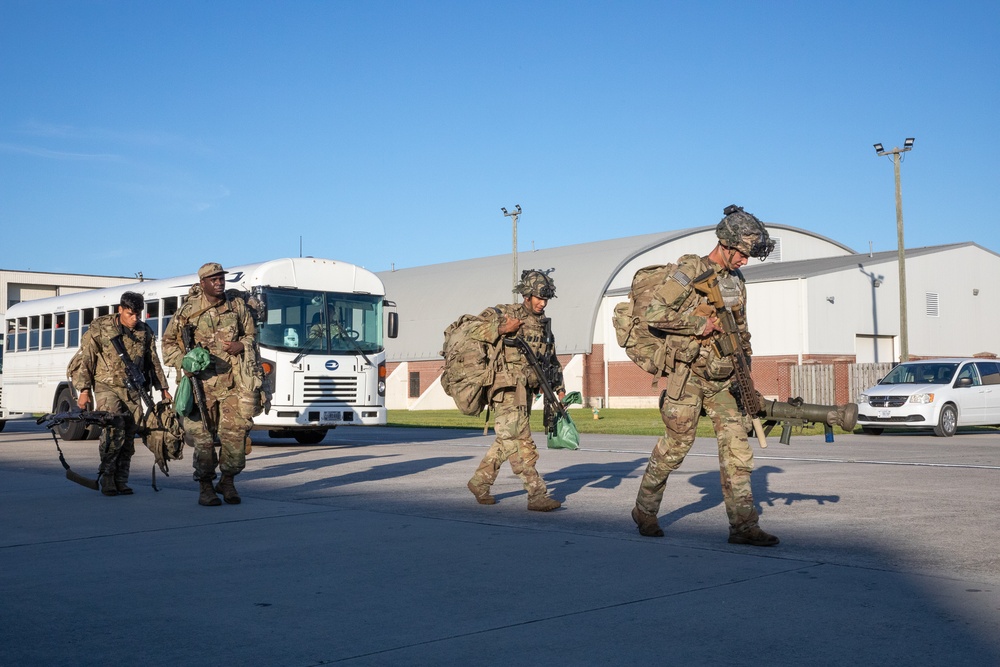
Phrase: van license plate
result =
(884, 414)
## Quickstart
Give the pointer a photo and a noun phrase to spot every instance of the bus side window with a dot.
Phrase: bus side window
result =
(103, 310)
(170, 306)
(153, 316)
(46, 332)
(88, 317)
(22, 334)
(74, 328)
(34, 331)
(11, 335)
(59, 334)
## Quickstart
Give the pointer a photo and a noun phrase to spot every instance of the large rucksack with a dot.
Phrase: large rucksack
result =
(645, 346)
(469, 364)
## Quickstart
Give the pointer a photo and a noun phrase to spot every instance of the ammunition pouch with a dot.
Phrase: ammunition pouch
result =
(677, 381)
(718, 366)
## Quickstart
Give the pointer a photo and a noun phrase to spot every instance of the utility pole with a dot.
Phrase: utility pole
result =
(513, 218)
(896, 153)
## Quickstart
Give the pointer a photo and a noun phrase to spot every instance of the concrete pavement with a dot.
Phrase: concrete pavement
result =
(368, 550)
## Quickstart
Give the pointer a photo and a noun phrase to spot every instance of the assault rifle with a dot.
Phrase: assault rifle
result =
(135, 380)
(101, 418)
(554, 409)
(187, 337)
(729, 343)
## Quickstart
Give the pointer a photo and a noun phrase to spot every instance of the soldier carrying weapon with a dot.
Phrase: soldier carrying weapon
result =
(115, 368)
(708, 339)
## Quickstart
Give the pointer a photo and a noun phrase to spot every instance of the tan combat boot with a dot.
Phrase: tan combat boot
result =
(753, 536)
(228, 490)
(207, 496)
(482, 494)
(543, 504)
(647, 523)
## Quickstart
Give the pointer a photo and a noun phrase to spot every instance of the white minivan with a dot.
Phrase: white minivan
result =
(941, 394)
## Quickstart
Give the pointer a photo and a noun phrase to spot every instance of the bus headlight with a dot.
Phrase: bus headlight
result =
(381, 379)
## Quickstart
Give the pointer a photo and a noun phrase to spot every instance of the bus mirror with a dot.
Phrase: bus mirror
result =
(392, 327)
(259, 307)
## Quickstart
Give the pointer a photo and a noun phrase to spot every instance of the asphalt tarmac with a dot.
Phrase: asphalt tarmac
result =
(367, 549)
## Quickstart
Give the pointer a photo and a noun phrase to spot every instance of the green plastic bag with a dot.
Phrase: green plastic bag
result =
(572, 397)
(566, 436)
(196, 360)
(183, 400)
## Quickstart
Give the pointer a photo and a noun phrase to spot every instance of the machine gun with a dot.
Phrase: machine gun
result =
(135, 380)
(187, 337)
(730, 344)
(101, 418)
(554, 409)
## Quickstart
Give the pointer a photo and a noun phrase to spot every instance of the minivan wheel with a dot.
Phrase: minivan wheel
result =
(947, 422)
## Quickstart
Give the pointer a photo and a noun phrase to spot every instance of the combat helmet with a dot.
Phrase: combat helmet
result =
(535, 282)
(744, 232)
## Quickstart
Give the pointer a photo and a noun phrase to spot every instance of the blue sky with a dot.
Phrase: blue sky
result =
(155, 136)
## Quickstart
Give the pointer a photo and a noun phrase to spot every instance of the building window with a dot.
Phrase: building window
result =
(415, 384)
(932, 304)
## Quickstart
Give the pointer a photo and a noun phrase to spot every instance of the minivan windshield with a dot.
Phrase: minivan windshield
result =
(925, 372)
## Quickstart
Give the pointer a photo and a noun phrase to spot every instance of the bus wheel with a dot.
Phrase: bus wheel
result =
(68, 430)
(310, 437)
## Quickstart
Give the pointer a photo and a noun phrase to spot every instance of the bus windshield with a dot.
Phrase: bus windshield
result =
(321, 322)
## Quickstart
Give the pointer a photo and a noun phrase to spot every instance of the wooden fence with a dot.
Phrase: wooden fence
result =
(817, 383)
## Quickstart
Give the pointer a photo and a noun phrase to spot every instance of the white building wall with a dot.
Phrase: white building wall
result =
(798, 316)
(967, 323)
(777, 317)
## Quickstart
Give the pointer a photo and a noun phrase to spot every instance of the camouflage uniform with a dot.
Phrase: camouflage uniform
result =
(214, 326)
(699, 382)
(511, 397)
(100, 367)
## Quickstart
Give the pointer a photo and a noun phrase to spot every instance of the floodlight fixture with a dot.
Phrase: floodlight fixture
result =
(878, 148)
(908, 143)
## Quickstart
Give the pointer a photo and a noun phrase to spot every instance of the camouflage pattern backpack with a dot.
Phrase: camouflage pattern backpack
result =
(469, 364)
(646, 347)
(161, 433)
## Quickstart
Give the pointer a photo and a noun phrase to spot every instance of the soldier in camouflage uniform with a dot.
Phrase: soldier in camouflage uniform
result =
(700, 379)
(225, 327)
(515, 388)
(99, 370)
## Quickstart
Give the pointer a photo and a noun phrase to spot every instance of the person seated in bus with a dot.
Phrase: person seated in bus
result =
(223, 326)
(318, 328)
(99, 375)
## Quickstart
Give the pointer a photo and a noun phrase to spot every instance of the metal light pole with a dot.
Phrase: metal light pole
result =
(513, 218)
(896, 153)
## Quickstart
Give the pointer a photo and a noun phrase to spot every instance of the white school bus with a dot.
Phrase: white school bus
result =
(318, 382)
